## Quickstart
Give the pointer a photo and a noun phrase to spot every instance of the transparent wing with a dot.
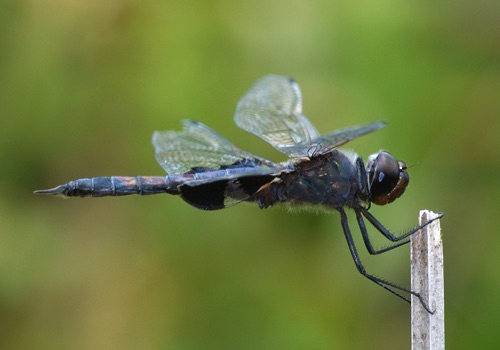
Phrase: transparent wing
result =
(272, 110)
(198, 146)
(335, 139)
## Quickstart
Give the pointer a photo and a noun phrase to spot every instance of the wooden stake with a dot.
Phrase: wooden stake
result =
(427, 279)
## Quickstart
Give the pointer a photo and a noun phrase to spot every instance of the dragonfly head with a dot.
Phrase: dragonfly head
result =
(387, 177)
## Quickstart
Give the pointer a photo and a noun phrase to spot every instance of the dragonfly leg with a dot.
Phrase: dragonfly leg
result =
(389, 235)
(368, 243)
(391, 287)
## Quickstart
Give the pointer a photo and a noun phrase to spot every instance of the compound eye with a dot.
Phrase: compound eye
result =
(388, 178)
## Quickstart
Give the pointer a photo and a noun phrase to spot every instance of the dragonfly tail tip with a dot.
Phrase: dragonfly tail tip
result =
(56, 191)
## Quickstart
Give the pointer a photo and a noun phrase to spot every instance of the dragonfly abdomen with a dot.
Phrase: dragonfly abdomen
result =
(114, 186)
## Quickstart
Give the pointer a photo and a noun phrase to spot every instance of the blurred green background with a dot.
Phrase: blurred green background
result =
(85, 83)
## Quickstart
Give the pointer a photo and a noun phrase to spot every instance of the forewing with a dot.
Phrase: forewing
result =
(336, 139)
(197, 146)
(272, 110)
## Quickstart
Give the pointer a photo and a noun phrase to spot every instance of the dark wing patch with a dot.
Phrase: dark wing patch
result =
(219, 194)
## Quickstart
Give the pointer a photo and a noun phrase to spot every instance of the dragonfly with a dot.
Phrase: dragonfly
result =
(207, 171)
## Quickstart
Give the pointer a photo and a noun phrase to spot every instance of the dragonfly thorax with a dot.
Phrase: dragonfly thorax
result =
(327, 179)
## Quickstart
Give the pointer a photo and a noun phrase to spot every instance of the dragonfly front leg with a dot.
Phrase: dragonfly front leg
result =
(368, 243)
(389, 235)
